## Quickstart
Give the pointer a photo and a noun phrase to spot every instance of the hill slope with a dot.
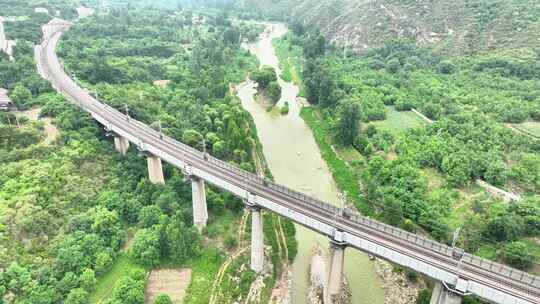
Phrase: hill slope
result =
(458, 26)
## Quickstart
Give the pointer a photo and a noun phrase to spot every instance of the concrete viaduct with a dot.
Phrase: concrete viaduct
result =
(458, 273)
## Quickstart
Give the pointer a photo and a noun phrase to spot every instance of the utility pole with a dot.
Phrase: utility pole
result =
(456, 235)
(204, 145)
(457, 253)
(127, 111)
(160, 130)
(343, 202)
(341, 198)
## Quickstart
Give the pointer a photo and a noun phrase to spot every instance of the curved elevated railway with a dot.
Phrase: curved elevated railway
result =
(466, 274)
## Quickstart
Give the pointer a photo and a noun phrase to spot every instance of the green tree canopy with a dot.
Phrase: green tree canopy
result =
(518, 255)
(348, 123)
(264, 76)
(146, 247)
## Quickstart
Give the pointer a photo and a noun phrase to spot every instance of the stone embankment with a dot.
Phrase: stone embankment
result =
(398, 289)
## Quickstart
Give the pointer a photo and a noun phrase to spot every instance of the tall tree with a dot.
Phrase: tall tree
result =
(348, 123)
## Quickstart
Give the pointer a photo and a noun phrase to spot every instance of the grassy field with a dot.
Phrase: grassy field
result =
(397, 122)
(205, 269)
(122, 267)
(530, 127)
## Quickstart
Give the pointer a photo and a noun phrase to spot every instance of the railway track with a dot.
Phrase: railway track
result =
(523, 288)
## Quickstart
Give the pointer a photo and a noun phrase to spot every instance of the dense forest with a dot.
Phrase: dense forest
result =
(81, 224)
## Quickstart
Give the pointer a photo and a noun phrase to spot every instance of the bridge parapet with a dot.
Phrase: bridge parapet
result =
(501, 269)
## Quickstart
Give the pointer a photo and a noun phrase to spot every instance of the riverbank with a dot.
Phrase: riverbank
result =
(295, 160)
(398, 289)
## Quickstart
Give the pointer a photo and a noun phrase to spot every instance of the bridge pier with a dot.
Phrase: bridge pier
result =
(155, 170)
(200, 210)
(337, 258)
(441, 295)
(257, 239)
(121, 144)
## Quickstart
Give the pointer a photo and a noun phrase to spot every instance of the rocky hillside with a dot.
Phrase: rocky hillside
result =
(458, 26)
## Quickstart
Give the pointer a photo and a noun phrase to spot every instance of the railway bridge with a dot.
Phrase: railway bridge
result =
(458, 273)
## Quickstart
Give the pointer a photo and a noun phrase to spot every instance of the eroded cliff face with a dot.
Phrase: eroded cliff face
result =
(459, 26)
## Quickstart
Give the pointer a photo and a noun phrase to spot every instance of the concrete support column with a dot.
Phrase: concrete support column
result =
(200, 211)
(121, 145)
(441, 295)
(257, 240)
(155, 170)
(337, 258)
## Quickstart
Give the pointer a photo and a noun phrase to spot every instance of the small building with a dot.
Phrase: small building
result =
(41, 10)
(162, 83)
(5, 102)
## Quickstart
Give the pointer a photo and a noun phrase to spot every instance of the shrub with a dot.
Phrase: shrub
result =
(404, 104)
(163, 299)
(285, 109)
(88, 279)
(77, 296)
(128, 291)
(264, 77)
(230, 242)
(517, 254)
(146, 247)
(424, 297)
(409, 225)
(371, 130)
(446, 67)
(273, 91)
(412, 276)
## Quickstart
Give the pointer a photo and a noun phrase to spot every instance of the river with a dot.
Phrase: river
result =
(295, 161)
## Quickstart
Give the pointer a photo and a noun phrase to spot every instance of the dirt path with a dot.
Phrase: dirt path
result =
(50, 130)
(258, 163)
(278, 238)
(242, 230)
(521, 131)
(242, 247)
(215, 288)
(283, 239)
